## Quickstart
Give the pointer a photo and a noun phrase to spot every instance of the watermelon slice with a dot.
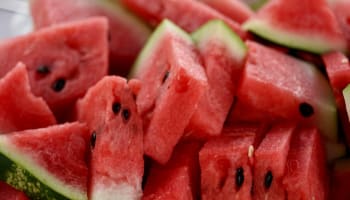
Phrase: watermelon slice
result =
(7, 192)
(223, 54)
(62, 61)
(226, 167)
(308, 25)
(178, 178)
(234, 9)
(341, 11)
(14, 116)
(187, 14)
(278, 87)
(306, 170)
(127, 33)
(270, 162)
(116, 167)
(173, 83)
(340, 180)
(47, 163)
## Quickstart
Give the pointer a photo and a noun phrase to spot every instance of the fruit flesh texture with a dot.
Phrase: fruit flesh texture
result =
(187, 14)
(119, 144)
(340, 175)
(35, 113)
(9, 193)
(178, 178)
(306, 25)
(340, 9)
(219, 160)
(76, 52)
(127, 33)
(271, 156)
(306, 171)
(173, 83)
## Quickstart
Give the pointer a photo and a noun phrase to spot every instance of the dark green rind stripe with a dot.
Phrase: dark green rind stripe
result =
(20, 178)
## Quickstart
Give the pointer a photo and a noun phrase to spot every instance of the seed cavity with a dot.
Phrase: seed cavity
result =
(43, 69)
(116, 107)
(306, 110)
(126, 114)
(165, 77)
(93, 139)
(268, 180)
(239, 177)
(59, 84)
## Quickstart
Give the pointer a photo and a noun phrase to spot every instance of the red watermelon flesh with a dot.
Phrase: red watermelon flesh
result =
(340, 180)
(308, 25)
(342, 14)
(338, 71)
(226, 168)
(127, 34)
(7, 192)
(63, 61)
(223, 54)
(270, 162)
(234, 9)
(188, 14)
(178, 178)
(20, 109)
(173, 82)
(116, 166)
(306, 170)
(275, 87)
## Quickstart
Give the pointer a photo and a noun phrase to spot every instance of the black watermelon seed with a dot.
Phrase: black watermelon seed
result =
(268, 179)
(306, 110)
(126, 114)
(43, 69)
(93, 139)
(166, 75)
(239, 177)
(116, 107)
(59, 84)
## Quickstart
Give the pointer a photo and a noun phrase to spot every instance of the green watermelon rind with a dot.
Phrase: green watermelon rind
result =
(22, 166)
(314, 43)
(218, 30)
(155, 40)
(346, 95)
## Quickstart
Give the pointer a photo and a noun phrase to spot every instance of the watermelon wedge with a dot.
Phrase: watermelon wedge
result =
(7, 192)
(14, 116)
(116, 166)
(47, 163)
(340, 9)
(223, 54)
(127, 33)
(63, 61)
(308, 25)
(173, 82)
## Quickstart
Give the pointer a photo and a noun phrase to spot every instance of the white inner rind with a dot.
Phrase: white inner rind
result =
(312, 42)
(112, 191)
(20, 158)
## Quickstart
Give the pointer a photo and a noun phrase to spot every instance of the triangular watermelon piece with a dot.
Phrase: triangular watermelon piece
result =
(47, 163)
(116, 166)
(308, 25)
(7, 192)
(20, 109)
(340, 9)
(306, 169)
(178, 178)
(127, 33)
(63, 61)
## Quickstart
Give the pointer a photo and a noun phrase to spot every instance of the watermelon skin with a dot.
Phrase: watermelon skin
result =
(178, 178)
(173, 82)
(47, 163)
(274, 86)
(187, 14)
(274, 147)
(340, 178)
(119, 140)
(69, 53)
(219, 160)
(307, 25)
(127, 33)
(14, 116)
(223, 54)
(306, 172)
(9, 193)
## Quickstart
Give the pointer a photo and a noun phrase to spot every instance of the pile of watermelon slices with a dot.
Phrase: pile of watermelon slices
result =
(177, 99)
